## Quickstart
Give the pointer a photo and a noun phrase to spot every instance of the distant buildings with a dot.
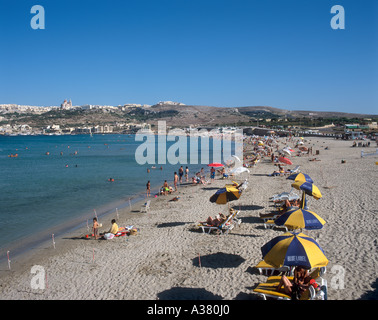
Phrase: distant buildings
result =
(170, 103)
(13, 108)
(66, 105)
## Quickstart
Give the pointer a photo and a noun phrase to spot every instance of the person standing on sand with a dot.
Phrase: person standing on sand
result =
(187, 174)
(95, 228)
(181, 173)
(212, 174)
(176, 179)
(148, 188)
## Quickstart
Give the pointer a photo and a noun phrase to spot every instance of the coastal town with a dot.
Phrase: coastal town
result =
(131, 117)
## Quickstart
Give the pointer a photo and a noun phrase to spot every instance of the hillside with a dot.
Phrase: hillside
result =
(176, 115)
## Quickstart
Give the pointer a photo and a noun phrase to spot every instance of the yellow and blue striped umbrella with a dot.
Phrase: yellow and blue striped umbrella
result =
(300, 177)
(300, 219)
(227, 194)
(309, 188)
(294, 249)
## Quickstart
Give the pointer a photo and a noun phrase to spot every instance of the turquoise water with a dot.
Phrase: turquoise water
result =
(39, 192)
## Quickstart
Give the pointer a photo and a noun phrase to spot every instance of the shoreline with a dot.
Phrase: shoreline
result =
(74, 228)
(43, 239)
(162, 260)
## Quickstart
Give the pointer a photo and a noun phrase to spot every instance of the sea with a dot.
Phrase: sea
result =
(58, 183)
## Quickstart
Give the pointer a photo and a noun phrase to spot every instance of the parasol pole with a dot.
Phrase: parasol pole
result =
(9, 266)
(303, 201)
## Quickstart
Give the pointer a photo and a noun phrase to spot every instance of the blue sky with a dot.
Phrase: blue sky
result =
(223, 53)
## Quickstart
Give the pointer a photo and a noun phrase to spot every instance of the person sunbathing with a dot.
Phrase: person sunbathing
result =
(112, 231)
(297, 286)
(289, 205)
(216, 222)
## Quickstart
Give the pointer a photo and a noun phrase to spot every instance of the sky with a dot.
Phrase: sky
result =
(224, 53)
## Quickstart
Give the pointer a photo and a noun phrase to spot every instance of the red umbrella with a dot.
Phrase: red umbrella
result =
(285, 160)
(215, 164)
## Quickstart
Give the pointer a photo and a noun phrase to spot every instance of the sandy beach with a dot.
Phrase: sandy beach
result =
(169, 258)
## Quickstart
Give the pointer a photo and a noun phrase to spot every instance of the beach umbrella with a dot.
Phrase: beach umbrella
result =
(300, 219)
(226, 194)
(215, 164)
(293, 249)
(285, 160)
(286, 151)
(300, 177)
(308, 188)
(237, 158)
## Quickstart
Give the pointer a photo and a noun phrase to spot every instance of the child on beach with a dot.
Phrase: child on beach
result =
(95, 228)
(176, 179)
(148, 188)
(165, 187)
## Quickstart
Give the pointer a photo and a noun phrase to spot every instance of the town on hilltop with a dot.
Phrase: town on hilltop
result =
(9, 113)
(68, 118)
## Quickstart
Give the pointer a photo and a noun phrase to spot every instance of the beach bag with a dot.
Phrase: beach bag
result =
(108, 236)
(133, 232)
(295, 292)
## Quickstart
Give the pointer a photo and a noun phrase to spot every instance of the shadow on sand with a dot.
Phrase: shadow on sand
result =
(218, 260)
(180, 293)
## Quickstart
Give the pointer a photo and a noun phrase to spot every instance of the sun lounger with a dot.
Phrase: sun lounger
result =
(270, 216)
(236, 219)
(284, 196)
(269, 288)
(295, 170)
(224, 228)
(145, 207)
(269, 224)
(268, 270)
